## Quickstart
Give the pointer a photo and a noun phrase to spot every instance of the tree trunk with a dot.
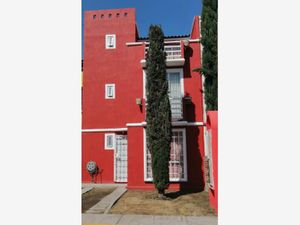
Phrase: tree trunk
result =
(161, 194)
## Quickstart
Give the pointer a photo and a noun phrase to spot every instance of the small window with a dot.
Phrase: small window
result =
(110, 91)
(110, 40)
(102, 16)
(94, 17)
(109, 15)
(109, 142)
(125, 14)
(118, 14)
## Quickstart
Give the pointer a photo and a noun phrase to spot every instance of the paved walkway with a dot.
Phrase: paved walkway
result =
(113, 219)
(85, 189)
(107, 202)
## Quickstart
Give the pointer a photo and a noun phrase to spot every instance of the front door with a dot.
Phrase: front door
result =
(120, 173)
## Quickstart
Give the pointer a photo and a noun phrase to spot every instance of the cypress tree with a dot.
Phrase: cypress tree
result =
(158, 112)
(209, 41)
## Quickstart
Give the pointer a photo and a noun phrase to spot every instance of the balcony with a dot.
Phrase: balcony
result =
(174, 55)
(176, 109)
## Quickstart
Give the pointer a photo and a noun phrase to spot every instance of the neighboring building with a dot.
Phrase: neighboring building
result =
(211, 157)
(113, 117)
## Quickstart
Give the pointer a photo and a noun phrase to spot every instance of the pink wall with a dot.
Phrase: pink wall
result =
(212, 125)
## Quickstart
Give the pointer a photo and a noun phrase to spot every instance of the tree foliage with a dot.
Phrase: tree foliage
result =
(209, 41)
(158, 111)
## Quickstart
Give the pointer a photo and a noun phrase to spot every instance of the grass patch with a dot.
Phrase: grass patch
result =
(92, 197)
(177, 203)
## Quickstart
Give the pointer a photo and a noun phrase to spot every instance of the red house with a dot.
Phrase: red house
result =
(114, 101)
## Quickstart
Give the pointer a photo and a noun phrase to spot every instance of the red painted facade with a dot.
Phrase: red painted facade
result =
(212, 127)
(122, 66)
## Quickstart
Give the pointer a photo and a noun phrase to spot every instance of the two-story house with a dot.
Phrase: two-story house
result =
(114, 101)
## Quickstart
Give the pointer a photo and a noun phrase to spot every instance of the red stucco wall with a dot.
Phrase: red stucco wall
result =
(122, 67)
(212, 125)
(195, 153)
(93, 149)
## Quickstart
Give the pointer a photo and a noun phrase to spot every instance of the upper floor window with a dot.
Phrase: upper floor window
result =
(110, 91)
(110, 41)
(109, 142)
(175, 91)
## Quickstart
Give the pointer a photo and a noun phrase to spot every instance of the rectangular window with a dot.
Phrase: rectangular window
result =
(110, 91)
(177, 163)
(110, 41)
(176, 91)
(109, 142)
(175, 94)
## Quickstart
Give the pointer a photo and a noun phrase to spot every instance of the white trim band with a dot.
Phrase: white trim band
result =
(169, 62)
(104, 130)
(185, 123)
(142, 124)
(177, 123)
(194, 40)
(134, 43)
(166, 42)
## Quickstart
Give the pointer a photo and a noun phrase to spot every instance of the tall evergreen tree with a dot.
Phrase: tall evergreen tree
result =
(209, 41)
(158, 112)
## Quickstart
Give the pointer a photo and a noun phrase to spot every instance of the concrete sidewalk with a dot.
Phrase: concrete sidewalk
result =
(113, 219)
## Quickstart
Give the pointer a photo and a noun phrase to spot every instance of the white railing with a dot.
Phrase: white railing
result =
(176, 108)
(173, 51)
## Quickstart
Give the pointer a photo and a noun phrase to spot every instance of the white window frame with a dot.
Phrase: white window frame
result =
(176, 70)
(113, 141)
(106, 41)
(114, 91)
(185, 178)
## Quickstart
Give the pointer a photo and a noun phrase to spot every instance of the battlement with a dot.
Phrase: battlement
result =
(127, 14)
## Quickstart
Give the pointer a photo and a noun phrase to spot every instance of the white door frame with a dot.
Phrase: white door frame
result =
(116, 156)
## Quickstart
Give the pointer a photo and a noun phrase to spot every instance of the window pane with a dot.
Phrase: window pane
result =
(176, 163)
(110, 41)
(109, 141)
(174, 85)
(110, 90)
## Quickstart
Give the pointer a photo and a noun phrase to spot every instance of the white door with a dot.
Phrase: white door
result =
(120, 173)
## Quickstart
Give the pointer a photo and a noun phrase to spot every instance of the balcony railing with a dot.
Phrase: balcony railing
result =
(174, 55)
(173, 51)
(176, 108)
